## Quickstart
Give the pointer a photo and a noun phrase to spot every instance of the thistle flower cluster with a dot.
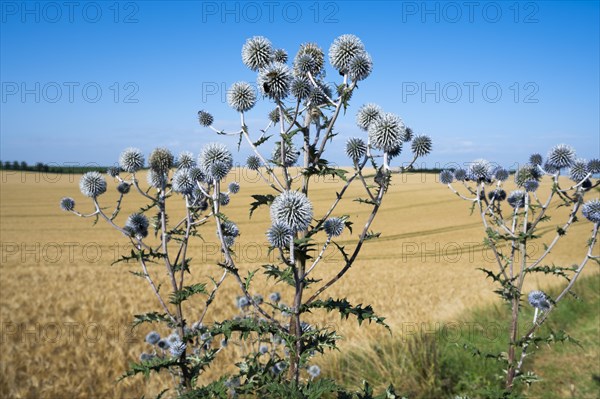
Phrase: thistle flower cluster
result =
(67, 204)
(347, 54)
(293, 210)
(92, 184)
(241, 96)
(131, 160)
(539, 300)
(215, 161)
(137, 225)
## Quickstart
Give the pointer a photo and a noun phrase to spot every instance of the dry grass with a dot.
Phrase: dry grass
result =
(65, 311)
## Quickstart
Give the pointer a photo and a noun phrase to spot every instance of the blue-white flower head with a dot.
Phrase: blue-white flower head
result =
(224, 199)
(360, 67)
(137, 224)
(275, 297)
(183, 182)
(309, 59)
(517, 198)
(314, 371)
(279, 235)
(145, 357)
(161, 160)
(446, 177)
(561, 156)
(92, 184)
(367, 114)
(131, 160)
(242, 302)
(527, 172)
(343, 50)
(280, 55)
(263, 349)
(205, 119)
(113, 171)
(234, 187)
(152, 337)
(214, 153)
(156, 179)
(241, 96)
(579, 170)
(230, 229)
(539, 300)
(501, 174)
(293, 209)
(356, 149)
(123, 187)
(67, 204)
(300, 89)
(479, 170)
(460, 174)
(535, 159)
(257, 52)
(253, 162)
(163, 344)
(531, 185)
(396, 151)
(385, 133)
(317, 95)
(177, 348)
(186, 160)
(421, 145)
(274, 80)
(594, 166)
(334, 227)
(591, 210)
(290, 157)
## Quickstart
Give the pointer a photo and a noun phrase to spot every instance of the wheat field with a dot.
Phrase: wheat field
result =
(66, 312)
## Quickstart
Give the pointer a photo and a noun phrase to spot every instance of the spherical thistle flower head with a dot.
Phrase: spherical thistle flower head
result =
(385, 132)
(421, 145)
(309, 59)
(257, 52)
(234, 187)
(517, 199)
(161, 160)
(205, 119)
(253, 162)
(177, 348)
(531, 185)
(561, 156)
(355, 149)
(155, 179)
(213, 153)
(123, 188)
(279, 235)
(153, 337)
(263, 349)
(229, 241)
(314, 371)
(527, 172)
(446, 177)
(113, 171)
(274, 114)
(67, 204)
(183, 182)
(535, 159)
(258, 299)
(550, 168)
(275, 80)
(198, 175)
(407, 135)
(280, 55)
(224, 199)
(579, 170)
(186, 160)
(360, 67)
(163, 344)
(317, 96)
(300, 89)
(539, 300)
(293, 209)
(241, 96)
(224, 342)
(343, 50)
(137, 224)
(92, 184)
(290, 157)
(501, 174)
(230, 229)
(275, 297)
(367, 114)
(460, 174)
(497, 194)
(479, 170)
(242, 302)
(218, 171)
(591, 210)
(145, 357)
(594, 166)
(334, 227)
(131, 160)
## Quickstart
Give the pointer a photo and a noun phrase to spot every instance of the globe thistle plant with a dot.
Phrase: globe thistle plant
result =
(241, 97)
(385, 132)
(205, 119)
(224, 199)
(92, 184)
(309, 59)
(161, 160)
(460, 174)
(367, 114)
(594, 166)
(137, 224)
(280, 55)
(293, 209)
(279, 235)
(531, 185)
(356, 149)
(274, 80)
(536, 159)
(183, 182)
(501, 174)
(579, 170)
(152, 337)
(516, 199)
(446, 177)
(343, 50)
(253, 162)
(479, 171)
(177, 348)
(497, 194)
(67, 204)
(131, 160)
(275, 297)
(113, 171)
(300, 89)
(360, 67)
(421, 145)
(156, 179)
(123, 188)
(290, 157)
(186, 160)
(334, 227)
(234, 187)
(215, 154)
(314, 371)
(526, 173)
(591, 210)
(561, 156)
(257, 52)
(538, 300)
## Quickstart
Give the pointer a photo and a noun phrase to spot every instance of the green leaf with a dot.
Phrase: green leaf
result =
(346, 309)
(183, 294)
(151, 317)
(260, 200)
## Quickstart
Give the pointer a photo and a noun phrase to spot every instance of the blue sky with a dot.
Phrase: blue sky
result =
(495, 80)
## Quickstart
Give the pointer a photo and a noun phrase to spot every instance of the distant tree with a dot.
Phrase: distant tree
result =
(23, 165)
(7, 165)
(15, 165)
